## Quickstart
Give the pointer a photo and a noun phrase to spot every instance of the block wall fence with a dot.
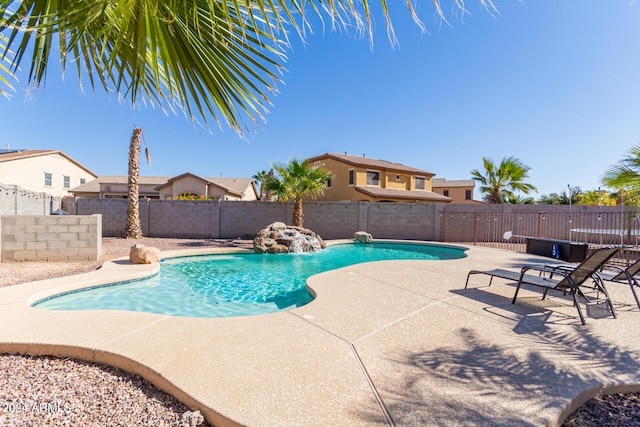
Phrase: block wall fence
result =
(230, 220)
(50, 238)
(477, 224)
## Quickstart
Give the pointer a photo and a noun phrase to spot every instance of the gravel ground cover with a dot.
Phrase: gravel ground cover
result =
(43, 390)
(50, 391)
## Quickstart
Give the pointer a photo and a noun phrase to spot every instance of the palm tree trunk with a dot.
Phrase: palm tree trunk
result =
(133, 230)
(268, 194)
(297, 213)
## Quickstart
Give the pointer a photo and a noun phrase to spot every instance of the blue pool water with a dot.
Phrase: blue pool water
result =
(236, 284)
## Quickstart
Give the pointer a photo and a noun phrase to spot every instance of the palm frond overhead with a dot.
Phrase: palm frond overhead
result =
(5, 73)
(213, 59)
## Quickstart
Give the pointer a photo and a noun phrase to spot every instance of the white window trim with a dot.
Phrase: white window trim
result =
(45, 179)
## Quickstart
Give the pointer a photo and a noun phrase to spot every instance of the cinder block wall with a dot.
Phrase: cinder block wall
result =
(245, 219)
(113, 211)
(188, 219)
(230, 220)
(50, 238)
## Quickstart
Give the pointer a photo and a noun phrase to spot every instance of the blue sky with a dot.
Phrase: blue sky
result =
(555, 83)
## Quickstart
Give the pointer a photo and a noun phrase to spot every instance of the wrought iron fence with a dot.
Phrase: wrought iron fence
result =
(598, 227)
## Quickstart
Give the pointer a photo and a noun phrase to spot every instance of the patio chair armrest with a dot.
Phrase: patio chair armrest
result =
(562, 270)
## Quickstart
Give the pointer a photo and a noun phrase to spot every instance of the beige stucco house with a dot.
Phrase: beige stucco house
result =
(460, 191)
(355, 178)
(116, 187)
(168, 188)
(216, 188)
(42, 171)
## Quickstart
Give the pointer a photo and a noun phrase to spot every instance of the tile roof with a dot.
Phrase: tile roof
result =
(232, 185)
(369, 162)
(93, 186)
(442, 182)
(12, 155)
(238, 185)
(378, 192)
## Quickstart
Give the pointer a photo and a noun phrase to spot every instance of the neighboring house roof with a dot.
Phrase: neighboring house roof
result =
(94, 185)
(442, 182)
(402, 194)
(236, 186)
(12, 155)
(368, 162)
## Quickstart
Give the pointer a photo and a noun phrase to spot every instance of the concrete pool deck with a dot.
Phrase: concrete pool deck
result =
(384, 343)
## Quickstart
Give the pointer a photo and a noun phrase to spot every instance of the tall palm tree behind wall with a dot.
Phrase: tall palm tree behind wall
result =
(499, 183)
(297, 180)
(261, 178)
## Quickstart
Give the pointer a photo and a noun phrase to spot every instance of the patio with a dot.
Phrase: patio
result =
(387, 343)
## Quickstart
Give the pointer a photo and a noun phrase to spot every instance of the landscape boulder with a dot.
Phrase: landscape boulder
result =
(141, 254)
(363, 237)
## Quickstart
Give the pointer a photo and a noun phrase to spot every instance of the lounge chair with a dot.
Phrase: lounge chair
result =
(573, 281)
(614, 273)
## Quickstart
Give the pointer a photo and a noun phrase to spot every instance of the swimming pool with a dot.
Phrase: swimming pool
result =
(236, 284)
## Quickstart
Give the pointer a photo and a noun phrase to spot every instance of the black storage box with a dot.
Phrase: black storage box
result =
(564, 249)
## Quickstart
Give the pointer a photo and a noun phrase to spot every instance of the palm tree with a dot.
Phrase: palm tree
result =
(499, 182)
(210, 59)
(564, 198)
(517, 199)
(596, 198)
(297, 180)
(260, 178)
(5, 63)
(133, 229)
(626, 174)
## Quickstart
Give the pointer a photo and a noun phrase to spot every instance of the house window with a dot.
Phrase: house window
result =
(48, 179)
(329, 182)
(373, 178)
(397, 177)
(352, 178)
(317, 164)
(66, 181)
(420, 183)
(467, 195)
(445, 193)
(83, 181)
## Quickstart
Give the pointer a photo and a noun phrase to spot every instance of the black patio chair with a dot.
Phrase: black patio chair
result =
(582, 280)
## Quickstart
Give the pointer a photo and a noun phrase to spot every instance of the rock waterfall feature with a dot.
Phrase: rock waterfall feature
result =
(281, 238)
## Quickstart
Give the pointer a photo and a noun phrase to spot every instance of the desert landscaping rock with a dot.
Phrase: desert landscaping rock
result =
(362, 237)
(141, 254)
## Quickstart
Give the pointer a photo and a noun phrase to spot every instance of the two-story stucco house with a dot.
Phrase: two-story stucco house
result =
(42, 171)
(460, 190)
(168, 188)
(357, 179)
